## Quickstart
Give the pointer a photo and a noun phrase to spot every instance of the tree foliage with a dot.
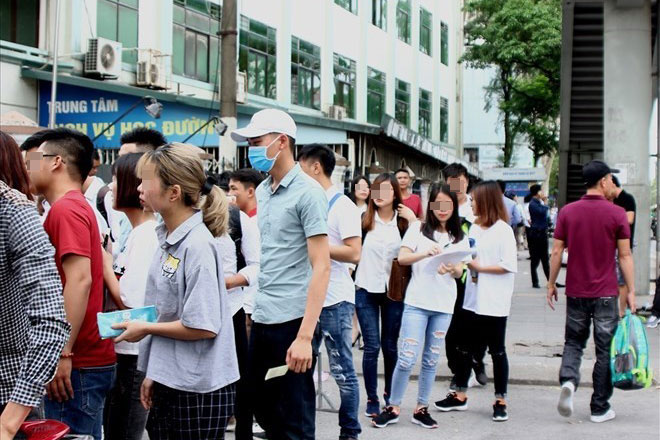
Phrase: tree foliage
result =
(521, 39)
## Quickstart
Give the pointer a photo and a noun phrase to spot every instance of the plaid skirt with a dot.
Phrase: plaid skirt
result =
(181, 415)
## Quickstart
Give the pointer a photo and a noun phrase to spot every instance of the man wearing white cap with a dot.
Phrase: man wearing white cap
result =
(293, 279)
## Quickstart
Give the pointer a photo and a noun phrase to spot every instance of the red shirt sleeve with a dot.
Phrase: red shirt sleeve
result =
(560, 227)
(68, 230)
(622, 226)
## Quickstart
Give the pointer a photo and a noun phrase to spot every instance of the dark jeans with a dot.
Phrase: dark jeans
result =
(457, 328)
(125, 418)
(604, 312)
(285, 406)
(372, 308)
(84, 413)
(336, 328)
(537, 241)
(484, 331)
(243, 408)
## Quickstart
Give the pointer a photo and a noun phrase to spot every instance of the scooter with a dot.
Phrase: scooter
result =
(47, 430)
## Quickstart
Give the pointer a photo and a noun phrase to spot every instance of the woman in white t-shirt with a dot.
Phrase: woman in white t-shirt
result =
(127, 280)
(488, 295)
(429, 301)
(383, 225)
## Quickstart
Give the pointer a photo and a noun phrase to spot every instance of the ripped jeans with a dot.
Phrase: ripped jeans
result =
(336, 328)
(419, 328)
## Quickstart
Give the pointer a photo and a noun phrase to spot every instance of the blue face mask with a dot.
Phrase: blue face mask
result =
(259, 160)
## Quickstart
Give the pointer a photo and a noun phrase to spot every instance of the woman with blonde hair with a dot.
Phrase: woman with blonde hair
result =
(188, 355)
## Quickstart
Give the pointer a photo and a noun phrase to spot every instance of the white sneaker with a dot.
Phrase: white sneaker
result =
(565, 405)
(653, 322)
(609, 415)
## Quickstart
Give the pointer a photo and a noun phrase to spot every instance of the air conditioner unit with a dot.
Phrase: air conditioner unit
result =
(337, 112)
(103, 58)
(241, 87)
(151, 70)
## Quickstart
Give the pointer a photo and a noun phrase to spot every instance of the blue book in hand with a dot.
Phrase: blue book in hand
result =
(106, 320)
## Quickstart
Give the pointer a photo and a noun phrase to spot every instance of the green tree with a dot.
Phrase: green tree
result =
(521, 39)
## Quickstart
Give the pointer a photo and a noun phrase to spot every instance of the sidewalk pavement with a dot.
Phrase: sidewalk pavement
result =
(535, 337)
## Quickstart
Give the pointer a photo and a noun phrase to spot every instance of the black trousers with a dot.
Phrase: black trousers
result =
(537, 241)
(656, 299)
(243, 407)
(458, 329)
(484, 332)
(284, 406)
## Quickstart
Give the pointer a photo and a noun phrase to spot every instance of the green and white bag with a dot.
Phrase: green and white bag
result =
(629, 355)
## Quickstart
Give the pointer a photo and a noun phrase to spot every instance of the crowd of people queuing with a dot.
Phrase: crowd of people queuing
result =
(249, 274)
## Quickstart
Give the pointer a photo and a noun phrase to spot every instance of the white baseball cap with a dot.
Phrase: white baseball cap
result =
(266, 121)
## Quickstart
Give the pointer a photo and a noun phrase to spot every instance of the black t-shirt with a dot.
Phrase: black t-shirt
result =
(627, 202)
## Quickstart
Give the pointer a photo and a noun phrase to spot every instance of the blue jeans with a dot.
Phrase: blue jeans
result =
(84, 413)
(336, 328)
(419, 326)
(372, 308)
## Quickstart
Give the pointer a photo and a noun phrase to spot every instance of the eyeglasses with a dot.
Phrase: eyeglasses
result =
(53, 155)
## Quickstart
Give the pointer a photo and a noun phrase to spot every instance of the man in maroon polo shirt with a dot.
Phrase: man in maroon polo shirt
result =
(593, 229)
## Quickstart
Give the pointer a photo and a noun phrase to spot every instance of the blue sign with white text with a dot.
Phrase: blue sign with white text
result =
(91, 110)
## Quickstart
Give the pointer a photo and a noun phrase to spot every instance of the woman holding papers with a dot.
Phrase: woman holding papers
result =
(488, 295)
(189, 356)
(383, 225)
(436, 250)
(126, 280)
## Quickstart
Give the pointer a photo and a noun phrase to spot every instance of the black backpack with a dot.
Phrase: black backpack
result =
(236, 234)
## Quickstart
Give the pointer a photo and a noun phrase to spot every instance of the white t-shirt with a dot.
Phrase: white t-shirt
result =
(250, 250)
(250, 291)
(133, 264)
(465, 210)
(433, 292)
(491, 294)
(343, 223)
(380, 248)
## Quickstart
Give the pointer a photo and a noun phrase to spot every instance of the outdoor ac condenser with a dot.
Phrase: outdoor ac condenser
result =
(103, 58)
(151, 70)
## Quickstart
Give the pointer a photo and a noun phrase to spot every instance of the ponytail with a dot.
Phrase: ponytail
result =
(215, 208)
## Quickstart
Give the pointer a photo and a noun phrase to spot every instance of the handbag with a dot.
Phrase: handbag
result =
(399, 279)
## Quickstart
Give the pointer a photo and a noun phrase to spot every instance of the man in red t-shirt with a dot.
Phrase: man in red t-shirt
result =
(65, 158)
(412, 201)
(593, 229)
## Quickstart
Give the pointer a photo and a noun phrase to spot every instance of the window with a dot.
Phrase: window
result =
(379, 13)
(444, 120)
(349, 5)
(444, 43)
(375, 96)
(305, 74)
(345, 84)
(196, 46)
(402, 102)
(425, 31)
(257, 57)
(425, 113)
(19, 22)
(118, 20)
(403, 20)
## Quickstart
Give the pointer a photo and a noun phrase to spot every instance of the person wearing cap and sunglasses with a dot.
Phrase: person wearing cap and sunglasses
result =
(593, 229)
(293, 279)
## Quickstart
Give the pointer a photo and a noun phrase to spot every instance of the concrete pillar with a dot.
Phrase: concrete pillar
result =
(327, 57)
(284, 55)
(364, 14)
(390, 80)
(627, 114)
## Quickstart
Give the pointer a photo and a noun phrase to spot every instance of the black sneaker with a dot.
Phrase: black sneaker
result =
(480, 375)
(452, 385)
(423, 419)
(451, 403)
(385, 418)
(373, 408)
(499, 412)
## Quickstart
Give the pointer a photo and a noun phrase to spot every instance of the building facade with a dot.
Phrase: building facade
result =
(376, 79)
